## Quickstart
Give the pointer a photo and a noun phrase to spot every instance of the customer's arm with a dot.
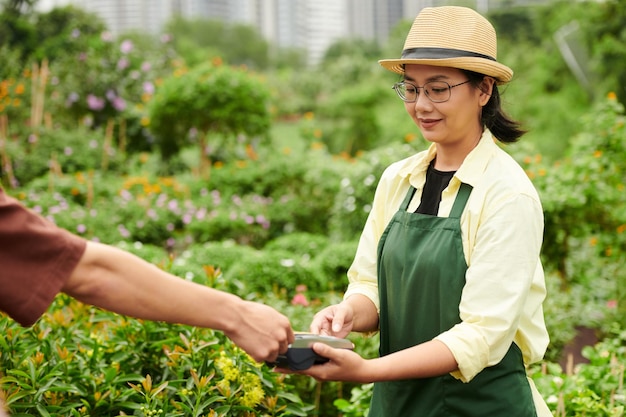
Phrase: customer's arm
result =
(118, 281)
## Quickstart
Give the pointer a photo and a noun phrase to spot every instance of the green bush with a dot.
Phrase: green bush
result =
(61, 151)
(214, 101)
(111, 365)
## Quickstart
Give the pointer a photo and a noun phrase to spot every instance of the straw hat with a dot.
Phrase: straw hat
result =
(451, 36)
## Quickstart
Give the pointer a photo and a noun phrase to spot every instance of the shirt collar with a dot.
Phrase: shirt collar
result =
(469, 172)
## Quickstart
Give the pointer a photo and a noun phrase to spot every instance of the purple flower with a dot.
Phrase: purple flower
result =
(263, 221)
(146, 66)
(119, 104)
(75, 33)
(32, 138)
(68, 151)
(126, 46)
(123, 231)
(95, 103)
(169, 227)
(81, 228)
(201, 213)
(166, 38)
(71, 99)
(122, 64)
(126, 195)
(148, 87)
(106, 36)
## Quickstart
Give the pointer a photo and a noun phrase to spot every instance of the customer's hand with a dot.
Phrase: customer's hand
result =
(262, 332)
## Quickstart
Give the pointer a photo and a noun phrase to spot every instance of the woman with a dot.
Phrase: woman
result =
(447, 267)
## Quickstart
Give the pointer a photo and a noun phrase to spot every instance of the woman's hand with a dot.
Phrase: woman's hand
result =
(335, 320)
(342, 365)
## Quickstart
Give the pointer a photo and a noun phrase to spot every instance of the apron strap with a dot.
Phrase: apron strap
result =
(461, 199)
(407, 199)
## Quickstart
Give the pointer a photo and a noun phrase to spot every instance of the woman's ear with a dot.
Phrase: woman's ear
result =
(486, 88)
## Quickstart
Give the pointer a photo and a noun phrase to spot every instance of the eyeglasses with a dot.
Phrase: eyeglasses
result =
(436, 91)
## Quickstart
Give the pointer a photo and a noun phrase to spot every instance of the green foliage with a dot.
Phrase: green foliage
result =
(593, 389)
(605, 32)
(116, 76)
(60, 151)
(111, 365)
(17, 33)
(583, 196)
(200, 39)
(212, 99)
(353, 202)
(65, 31)
(279, 222)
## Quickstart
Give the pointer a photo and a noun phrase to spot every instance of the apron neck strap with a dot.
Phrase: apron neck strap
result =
(461, 199)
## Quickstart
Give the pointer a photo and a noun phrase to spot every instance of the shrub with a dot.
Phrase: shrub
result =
(61, 152)
(111, 365)
(214, 100)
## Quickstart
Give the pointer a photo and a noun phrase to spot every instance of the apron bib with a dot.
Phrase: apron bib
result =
(421, 274)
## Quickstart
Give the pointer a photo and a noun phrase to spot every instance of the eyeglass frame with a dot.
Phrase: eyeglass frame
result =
(417, 89)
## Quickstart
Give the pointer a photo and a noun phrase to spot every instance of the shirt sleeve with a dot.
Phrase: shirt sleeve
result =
(504, 286)
(37, 257)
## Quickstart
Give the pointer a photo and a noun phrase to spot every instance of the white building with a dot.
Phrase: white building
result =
(312, 25)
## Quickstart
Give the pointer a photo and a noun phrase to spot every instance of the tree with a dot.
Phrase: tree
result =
(211, 99)
(237, 44)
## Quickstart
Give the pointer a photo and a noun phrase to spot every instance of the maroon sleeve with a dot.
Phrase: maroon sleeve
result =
(36, 258)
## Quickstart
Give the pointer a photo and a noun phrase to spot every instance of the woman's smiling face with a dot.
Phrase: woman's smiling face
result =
(454, 121)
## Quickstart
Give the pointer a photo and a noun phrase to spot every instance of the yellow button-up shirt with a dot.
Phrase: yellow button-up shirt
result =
(502, 232)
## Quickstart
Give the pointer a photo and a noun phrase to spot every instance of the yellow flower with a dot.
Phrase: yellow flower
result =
(597, 154)
(252, 397)
(612, 96)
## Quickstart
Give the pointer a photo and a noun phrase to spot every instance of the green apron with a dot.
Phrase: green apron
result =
(421, 274)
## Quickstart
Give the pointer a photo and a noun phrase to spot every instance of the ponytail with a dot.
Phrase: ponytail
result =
(493, 117)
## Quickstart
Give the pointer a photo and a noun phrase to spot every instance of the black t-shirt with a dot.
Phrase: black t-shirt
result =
(436, 182)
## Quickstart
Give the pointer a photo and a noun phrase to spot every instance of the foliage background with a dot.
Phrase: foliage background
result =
(123, 152)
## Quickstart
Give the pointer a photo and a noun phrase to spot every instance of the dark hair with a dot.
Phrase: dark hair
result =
(501, 125)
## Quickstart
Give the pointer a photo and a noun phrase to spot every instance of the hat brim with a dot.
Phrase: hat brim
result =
(501, 73)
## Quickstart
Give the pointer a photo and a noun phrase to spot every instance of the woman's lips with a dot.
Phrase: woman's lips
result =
(428, 123)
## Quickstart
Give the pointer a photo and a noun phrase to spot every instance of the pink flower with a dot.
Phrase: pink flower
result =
(611, 304)
(95, 103)
(126, 46)
(148, 87)
(122, 64)
(119, 104)
(300, 299)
